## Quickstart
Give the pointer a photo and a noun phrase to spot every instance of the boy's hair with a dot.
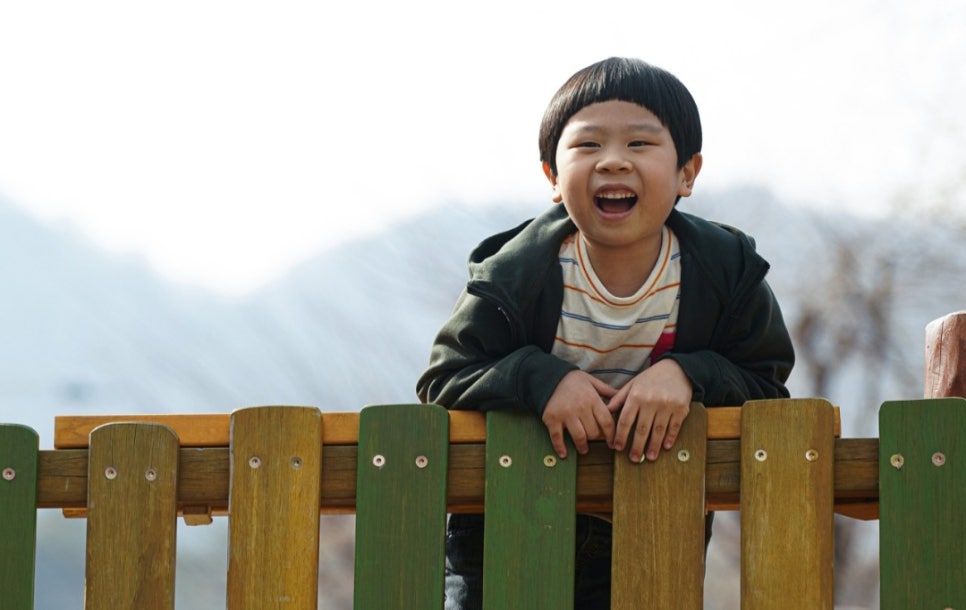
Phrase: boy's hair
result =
(627, 80)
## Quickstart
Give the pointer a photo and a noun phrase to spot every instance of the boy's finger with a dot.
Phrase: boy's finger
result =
(579, 436)
(617, 400)
(658, 434)
(605, 422)
(557, 440)
(623, 431)
(645, 420)
(604, 389)
(672, 434)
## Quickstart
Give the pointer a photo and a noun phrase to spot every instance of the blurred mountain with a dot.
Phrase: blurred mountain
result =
(88, 332)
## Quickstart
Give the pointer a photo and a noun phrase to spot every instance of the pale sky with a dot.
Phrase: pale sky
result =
(225, 141)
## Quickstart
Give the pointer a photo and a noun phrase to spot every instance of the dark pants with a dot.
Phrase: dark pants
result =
(464, 562)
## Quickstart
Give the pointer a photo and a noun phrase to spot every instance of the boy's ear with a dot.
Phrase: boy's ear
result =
(557, 197)
(688, 174)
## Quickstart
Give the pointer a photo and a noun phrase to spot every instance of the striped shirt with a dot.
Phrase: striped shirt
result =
(614, 338)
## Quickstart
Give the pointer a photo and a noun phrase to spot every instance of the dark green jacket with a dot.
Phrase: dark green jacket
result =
(494, 351)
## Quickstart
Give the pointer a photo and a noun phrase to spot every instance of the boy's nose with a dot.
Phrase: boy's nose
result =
(613, 161)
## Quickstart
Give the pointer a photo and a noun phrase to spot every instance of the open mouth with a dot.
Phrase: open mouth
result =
(615, 202)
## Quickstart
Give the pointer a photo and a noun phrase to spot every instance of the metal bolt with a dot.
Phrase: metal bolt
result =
(422, 461)
(9, 474)
(255, 461)
(549, 461)
(378, 460)
(150, 474)
(897, 460)
(506, 461)
(295, 462)
(684, 455)
(110, 473)
(761, 455)
(811, 455)
(938, 458)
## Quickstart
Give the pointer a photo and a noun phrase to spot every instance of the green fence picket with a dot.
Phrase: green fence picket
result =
(401, 507)
(530, 504)
(922, 492)
(18, 515)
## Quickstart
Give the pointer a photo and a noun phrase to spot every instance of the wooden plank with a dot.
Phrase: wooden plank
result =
(401, 507)
(18, 515)
(658, 546)
(212, 430)
(528, 546)
(132, 518)
(922, 469)
(273, 506)
(945, 369)
(786, 513)
(204, 478)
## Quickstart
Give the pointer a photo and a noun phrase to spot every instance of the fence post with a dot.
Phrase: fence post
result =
(945, 371)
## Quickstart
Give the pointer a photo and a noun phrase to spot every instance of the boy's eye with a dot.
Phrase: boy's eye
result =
(587, 145)
(637, 143)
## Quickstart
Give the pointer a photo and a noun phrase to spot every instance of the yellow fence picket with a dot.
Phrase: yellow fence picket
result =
(658, 547)
(131, 517)
(273, 507)
(787, 449)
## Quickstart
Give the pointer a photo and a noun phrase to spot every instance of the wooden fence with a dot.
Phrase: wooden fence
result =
(401, 468)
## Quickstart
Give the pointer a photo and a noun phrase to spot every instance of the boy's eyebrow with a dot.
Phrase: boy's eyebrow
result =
(648, 126)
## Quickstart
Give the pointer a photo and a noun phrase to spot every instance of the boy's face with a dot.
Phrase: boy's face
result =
(618, 176)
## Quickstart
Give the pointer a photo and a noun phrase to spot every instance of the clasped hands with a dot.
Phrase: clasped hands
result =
(652, 407)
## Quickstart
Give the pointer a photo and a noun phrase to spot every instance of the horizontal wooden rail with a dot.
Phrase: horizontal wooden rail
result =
(204, 465)
(340, 428)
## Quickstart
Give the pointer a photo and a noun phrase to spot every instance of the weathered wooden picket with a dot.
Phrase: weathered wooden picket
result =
(401, 468)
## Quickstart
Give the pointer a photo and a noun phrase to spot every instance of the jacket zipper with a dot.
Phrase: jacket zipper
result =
(512, 324)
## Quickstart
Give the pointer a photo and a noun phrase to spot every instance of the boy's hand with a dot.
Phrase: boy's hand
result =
(578, 405)
(653, 404)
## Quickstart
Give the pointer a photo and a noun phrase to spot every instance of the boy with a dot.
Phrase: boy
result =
(612, 304)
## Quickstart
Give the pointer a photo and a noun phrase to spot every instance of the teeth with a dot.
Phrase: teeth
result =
(616, 195)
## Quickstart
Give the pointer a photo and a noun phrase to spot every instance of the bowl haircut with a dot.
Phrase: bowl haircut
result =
(627, 80)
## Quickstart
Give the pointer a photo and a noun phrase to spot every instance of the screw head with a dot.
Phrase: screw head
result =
(295, 462)
(255, 461)
(761, 455)
(897, 460)
(422, 461)
(938, 458)
(110, 473)
(684, 455)
(378, 460)
(811, 455)
(9, 474)
(151, 474)
(550, 461)
(506, 461)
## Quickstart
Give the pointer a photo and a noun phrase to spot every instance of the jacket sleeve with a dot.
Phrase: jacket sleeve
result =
(749, 358)
(476, 363)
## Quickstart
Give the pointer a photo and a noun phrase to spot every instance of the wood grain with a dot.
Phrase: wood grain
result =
(132, 517)
(786, 510)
